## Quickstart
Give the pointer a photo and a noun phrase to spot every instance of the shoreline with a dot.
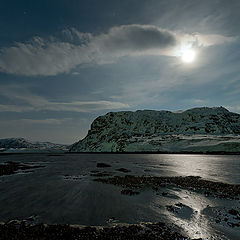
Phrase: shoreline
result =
(143, 152)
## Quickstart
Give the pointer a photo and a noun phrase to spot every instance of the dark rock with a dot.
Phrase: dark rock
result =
(207, 193)
(101, 174)
(129, 192)
(103, 165)
(217, 220)
(32, 218)
(123, 170)
(155, 188)
(231, 224)
(233, 212)
(171, 208)
(179, 205)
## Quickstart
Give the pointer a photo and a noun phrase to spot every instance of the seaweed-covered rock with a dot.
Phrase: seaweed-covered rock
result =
(218, 189)
(150, 231)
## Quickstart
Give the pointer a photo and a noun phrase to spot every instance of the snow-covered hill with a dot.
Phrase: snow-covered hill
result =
(21, 144)
(198, 129)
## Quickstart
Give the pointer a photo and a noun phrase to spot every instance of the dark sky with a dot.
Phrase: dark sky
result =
(63, 63)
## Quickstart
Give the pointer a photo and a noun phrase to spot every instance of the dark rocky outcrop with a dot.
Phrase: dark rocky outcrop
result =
(217, 189)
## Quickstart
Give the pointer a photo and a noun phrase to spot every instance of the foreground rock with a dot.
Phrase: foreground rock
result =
(218, 189)
(149, 231)
(195, 130)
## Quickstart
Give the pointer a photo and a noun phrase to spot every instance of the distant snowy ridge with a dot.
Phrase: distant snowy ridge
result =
(198, 129)
(21, 144)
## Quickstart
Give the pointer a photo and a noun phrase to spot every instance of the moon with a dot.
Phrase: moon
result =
(188, 56)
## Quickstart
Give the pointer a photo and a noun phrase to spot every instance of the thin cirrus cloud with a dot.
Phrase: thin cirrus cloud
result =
(77, 106)
(47, 121)
(49, 57)
(53, 121)
(30, 102)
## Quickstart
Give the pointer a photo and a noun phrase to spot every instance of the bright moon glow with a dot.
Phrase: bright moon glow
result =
(188, 56)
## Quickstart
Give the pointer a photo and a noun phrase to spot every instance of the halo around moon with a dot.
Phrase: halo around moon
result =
(188, 55)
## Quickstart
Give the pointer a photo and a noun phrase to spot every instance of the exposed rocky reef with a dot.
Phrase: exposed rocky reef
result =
(195, 130)
(12, 167)
(209, 188)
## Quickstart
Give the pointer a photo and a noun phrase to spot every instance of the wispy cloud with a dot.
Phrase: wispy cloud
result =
(52, 56)
(15, 108)
(47, 121)
(32, 102)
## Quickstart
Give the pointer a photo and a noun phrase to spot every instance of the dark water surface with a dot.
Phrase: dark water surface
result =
(63, 191)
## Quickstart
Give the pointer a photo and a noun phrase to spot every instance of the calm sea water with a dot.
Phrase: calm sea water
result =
(63, 191)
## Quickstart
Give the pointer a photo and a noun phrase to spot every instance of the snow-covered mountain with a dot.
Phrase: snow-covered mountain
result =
(198, 129)
(21, 144)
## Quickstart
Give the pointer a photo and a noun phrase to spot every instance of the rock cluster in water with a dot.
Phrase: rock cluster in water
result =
(218, 189)
(12, 167)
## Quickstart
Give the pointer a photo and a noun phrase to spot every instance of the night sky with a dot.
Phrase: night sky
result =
(65, 62)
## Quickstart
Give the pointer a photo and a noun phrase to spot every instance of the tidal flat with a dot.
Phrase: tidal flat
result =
(120, 196)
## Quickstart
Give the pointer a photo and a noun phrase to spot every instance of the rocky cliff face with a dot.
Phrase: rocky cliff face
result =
(196, 129)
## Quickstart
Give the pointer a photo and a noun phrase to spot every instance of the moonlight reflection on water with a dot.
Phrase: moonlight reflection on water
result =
(64, 191)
